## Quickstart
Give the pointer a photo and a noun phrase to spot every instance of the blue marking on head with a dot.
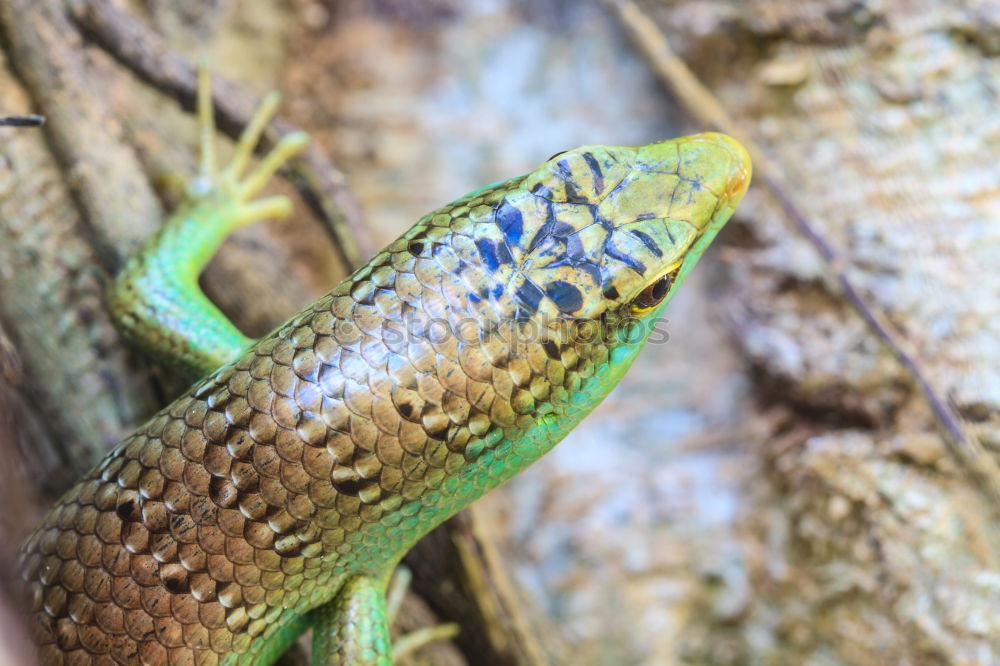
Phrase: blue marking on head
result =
(511, 222)
(648, 242)
(494, 253)
(560, 229)
(566, 296)
(631, 262)
(529, 295)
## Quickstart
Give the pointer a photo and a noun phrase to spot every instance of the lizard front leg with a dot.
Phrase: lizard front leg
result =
(156, 300)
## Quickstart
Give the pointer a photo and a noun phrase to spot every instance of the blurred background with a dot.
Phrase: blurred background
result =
(771, 485)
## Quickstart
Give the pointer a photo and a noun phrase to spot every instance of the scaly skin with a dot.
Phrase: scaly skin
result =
(295, 477)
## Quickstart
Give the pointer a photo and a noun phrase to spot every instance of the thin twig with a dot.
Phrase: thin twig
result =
(415, 640)
(705, 107)
(141, 50)
(33, 120)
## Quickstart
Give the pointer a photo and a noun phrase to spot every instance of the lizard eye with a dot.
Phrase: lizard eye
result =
(654, 294)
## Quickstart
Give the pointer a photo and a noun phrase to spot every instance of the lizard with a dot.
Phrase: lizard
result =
(278, 494)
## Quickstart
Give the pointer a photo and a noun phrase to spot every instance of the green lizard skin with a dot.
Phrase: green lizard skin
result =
(283, 488)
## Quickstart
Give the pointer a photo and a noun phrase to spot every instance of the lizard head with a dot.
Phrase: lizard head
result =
(603, 229)
(566, 271)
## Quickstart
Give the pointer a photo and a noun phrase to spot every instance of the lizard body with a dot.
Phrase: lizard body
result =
(280, 492)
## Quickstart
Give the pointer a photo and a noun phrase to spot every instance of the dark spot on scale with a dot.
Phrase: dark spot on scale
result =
(529, 295)
(406, 409)
(572, 196)
(494, 253)
(503, 253)
(127, 510)
(348, 486)
(540, 190)
(631, 262)
(561, 229)
(595, 170)
(415, 248)
(565, 295)
(611, 292)
(511, 222)
(440, 434)
(289, 550)
(574, 248)
(222, 492)
(176, 585)
(488, 251)
(648, 241)
(551, 350)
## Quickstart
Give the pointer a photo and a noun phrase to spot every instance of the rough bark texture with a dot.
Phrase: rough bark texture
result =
(862, 542)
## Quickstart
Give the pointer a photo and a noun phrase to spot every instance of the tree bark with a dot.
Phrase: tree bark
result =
(863, 540)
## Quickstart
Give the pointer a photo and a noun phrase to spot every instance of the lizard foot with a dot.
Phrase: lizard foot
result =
(155, 299)
(229, 185)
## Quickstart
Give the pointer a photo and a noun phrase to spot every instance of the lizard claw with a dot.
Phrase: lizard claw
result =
(287, 147)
